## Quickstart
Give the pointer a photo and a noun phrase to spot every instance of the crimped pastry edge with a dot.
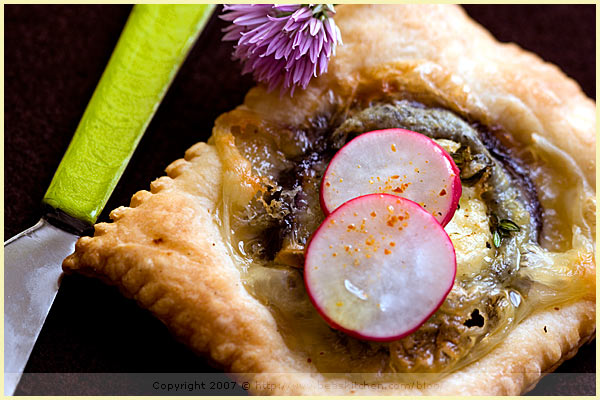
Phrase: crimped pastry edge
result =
(202, 300)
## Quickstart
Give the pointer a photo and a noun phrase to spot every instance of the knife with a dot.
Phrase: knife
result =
(153, 45)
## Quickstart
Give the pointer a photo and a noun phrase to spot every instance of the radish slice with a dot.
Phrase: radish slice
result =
(378, 267)
(398, 162)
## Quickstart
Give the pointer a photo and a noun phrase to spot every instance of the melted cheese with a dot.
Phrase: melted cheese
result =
(541, 278)
(470, 233)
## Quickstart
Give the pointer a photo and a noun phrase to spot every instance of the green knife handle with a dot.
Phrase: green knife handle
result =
(153, 45)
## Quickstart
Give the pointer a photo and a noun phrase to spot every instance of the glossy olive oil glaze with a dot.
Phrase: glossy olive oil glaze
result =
(513, 255)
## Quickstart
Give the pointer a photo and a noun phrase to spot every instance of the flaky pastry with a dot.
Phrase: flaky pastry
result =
(215, 248)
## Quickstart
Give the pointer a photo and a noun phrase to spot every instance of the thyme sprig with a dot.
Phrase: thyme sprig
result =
(503, 228)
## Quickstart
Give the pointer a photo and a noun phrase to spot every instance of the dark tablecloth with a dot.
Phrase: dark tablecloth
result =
(54, 56)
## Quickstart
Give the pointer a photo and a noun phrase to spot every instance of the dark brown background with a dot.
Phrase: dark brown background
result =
(54, 56)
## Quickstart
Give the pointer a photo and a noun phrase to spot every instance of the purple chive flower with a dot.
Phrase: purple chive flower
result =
(282, 44)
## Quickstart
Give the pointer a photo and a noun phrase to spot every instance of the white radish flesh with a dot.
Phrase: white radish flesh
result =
(398, 162)
(378, 267)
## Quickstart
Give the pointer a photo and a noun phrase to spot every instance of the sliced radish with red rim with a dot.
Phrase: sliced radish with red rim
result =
(397, 162)
(378, 267)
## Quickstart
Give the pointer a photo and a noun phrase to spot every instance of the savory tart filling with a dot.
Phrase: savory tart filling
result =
(502, 271)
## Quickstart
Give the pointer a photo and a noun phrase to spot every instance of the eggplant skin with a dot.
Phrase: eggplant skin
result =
(255, 319)
(288, 211)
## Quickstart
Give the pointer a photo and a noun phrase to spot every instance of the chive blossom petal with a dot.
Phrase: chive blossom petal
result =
(282, 44)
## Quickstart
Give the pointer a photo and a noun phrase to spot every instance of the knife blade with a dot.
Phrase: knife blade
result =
(31, 277)
(153, 45)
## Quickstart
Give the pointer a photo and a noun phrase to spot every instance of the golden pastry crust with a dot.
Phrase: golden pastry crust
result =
(167, 250)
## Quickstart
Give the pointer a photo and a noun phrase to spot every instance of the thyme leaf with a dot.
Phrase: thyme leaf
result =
(503, 228)
(508, 225)
(497, 239)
